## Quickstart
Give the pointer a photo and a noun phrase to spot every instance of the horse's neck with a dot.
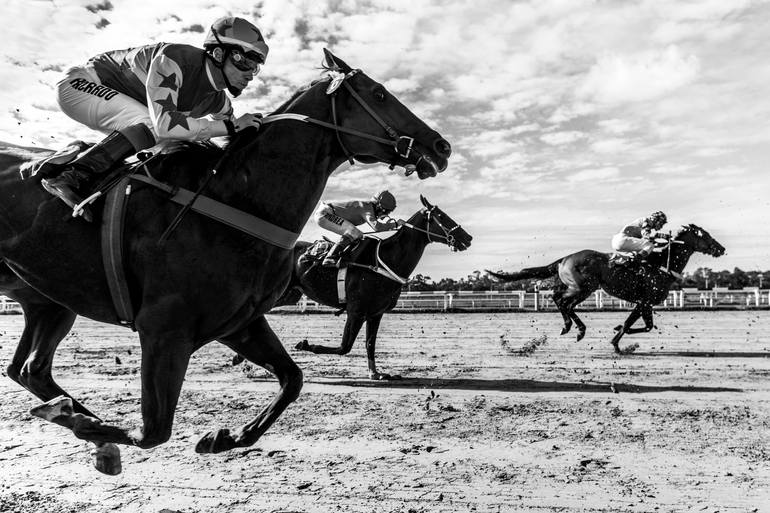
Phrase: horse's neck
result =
(403, 251)
(281, 175)
(680, 255)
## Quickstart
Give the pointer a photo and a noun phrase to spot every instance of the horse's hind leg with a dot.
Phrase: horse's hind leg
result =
(567, 304)
(164, 363)
(46, 325)
(352, 327)
(261, 346)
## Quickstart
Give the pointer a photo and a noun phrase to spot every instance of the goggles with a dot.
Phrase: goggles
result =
(243, 63)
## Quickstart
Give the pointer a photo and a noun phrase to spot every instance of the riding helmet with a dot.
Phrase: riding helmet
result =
(232, 32)
(386, 201)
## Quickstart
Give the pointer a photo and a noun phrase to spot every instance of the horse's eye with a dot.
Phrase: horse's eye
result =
(379, 95)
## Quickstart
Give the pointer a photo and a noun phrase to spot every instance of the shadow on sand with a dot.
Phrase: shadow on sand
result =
(518, 385)
(707, 354)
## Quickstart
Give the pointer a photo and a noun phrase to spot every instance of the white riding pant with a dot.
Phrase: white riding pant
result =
(327, 219)
(82, 97)
(621, 242)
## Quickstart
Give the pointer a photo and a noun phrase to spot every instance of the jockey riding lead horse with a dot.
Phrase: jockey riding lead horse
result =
(207, 281)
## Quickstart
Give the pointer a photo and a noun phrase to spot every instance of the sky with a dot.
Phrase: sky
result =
(567, 118)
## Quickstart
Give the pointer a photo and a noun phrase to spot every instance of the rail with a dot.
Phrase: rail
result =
(519, 300)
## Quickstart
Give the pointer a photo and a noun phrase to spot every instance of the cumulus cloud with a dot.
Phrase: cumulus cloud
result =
(622, 78)
(666, 99)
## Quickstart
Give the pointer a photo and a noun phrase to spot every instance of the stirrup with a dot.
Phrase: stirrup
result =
(79, 209)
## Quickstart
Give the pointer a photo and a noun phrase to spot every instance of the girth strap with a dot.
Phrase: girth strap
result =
(226, 214)
(112, 250)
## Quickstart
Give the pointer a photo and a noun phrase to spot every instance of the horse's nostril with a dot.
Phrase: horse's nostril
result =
(443, 148)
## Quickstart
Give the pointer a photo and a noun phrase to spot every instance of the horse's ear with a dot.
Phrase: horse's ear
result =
(334, 62)
(425, 202)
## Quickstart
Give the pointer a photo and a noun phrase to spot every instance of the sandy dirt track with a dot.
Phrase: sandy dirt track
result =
(476, 425)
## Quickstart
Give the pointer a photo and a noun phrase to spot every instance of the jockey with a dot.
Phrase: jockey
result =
(157, 92)
(342, 217)
(637, 236)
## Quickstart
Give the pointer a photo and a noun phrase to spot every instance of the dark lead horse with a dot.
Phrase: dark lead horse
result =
(370, 293)
(583, 272)
(208, 281)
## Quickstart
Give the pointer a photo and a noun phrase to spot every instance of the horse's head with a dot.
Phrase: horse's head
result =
(376, 127)
(439, 227)
(699, 240)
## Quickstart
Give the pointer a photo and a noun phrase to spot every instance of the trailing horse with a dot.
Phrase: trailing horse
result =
(374, 281)
(207, 281)
(581, 273)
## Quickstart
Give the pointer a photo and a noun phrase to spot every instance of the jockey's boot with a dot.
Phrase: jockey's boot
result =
(333, 255)
(97, 160)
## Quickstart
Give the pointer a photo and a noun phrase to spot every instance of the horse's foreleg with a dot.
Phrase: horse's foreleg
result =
(648, 324)
(626, 327)
(352, 327)
(261, 346)
(372, 327)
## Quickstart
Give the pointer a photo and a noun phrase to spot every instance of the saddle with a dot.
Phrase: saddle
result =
(316, 252)
(624, 258)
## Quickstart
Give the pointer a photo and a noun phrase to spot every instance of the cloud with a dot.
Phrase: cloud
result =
(621, 78)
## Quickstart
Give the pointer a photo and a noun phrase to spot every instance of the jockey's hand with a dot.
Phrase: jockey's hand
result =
(247, 120)
(400, 222)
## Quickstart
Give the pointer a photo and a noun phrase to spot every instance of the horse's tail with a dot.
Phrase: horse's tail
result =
(545, 271)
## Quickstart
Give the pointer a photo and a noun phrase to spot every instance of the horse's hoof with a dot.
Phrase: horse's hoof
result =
(106, 459)
(564, 330)
(237, 360)
(382, 376)
(302, 345)
(580, 335)
(213, 443)
(619, 327)
(57, 407)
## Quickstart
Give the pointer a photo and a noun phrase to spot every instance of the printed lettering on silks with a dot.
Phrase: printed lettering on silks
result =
(102, 91)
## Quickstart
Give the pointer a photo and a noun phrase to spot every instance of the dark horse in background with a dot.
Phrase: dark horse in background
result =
(208, 281)
(369, 294)
(581, 273)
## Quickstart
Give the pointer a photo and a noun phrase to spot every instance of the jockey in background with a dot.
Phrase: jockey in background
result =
(342, 217)
(637, 236)
(144, 95)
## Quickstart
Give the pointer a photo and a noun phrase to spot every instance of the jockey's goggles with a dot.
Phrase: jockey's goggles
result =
(243, 63)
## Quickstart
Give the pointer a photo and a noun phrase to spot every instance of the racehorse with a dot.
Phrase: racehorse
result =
(207, 281)
(372, 290)
(583, 272)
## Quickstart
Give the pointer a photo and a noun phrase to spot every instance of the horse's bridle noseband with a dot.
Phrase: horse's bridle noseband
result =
(403, 145)
(447, 236)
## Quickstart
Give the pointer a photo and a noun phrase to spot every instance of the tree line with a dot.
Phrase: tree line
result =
(703, 278)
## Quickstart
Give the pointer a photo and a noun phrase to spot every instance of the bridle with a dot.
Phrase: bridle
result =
(401, 144)
(446, 237)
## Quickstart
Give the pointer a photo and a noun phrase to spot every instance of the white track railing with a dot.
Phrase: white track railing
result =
(442, 301)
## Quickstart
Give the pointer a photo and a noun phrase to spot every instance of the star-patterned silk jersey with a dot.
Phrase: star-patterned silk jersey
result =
(178, 83)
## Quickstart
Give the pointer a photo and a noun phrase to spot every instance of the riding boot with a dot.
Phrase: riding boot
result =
(97, 160)
(333, 255)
